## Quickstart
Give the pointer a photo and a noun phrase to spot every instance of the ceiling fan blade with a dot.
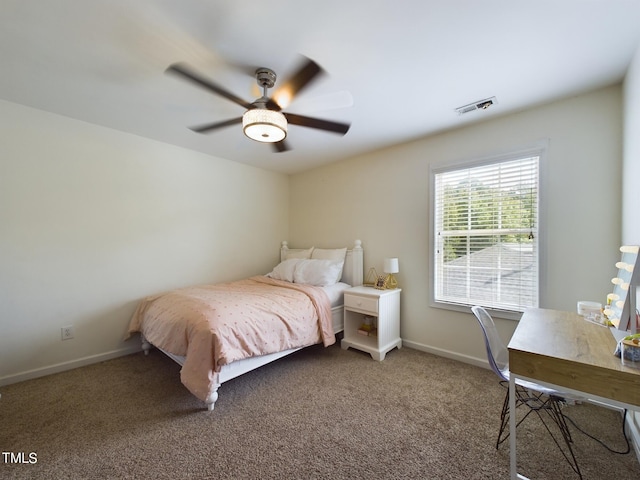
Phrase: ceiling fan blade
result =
(189, 74)
(304, 75)
(281, 146)
(328, 125)
(212, 126)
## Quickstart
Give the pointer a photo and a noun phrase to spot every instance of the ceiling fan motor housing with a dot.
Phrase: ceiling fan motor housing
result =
(266, 77)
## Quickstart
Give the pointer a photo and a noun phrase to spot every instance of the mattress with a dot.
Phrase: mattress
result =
(335, 293)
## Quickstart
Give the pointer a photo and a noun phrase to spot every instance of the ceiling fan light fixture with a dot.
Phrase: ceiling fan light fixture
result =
(264, 125)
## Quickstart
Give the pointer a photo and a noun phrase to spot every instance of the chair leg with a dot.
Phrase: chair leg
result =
(550, 405)
(556, 404)
(521, 398)
(553, 408)
(504, 420)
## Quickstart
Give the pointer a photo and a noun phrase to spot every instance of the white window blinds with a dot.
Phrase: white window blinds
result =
(486, 237)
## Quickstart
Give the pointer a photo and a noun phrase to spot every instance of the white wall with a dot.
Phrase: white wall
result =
(631, 163)
(631, 181)
(93, 219)
(382, 198)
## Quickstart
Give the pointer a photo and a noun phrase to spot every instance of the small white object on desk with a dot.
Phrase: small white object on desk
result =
(585, 308)
(592, 312)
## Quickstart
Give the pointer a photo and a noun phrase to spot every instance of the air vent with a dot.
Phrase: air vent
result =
(479, 105)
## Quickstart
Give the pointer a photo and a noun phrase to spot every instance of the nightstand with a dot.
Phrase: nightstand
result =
(378, 311)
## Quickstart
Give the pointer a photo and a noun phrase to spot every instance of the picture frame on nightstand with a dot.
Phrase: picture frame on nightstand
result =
(381, 282)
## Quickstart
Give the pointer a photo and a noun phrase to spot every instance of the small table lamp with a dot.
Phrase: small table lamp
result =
(391, 267)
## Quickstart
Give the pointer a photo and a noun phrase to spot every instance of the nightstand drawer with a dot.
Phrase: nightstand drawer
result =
(361, 303)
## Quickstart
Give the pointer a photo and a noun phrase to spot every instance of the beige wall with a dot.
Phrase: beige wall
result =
(93, 219)
(382, 198)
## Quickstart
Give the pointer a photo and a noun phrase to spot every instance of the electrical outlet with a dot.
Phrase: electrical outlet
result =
(67, 332)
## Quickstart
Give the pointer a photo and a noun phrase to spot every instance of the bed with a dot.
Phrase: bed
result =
(219, 332)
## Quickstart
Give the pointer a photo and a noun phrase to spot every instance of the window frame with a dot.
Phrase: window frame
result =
(538, 149)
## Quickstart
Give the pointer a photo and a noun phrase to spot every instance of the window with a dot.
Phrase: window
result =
(485, 245)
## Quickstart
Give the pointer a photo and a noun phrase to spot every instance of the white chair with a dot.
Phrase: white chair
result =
(537, 398)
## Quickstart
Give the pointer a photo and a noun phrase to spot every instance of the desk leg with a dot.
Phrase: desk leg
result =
(512, 428)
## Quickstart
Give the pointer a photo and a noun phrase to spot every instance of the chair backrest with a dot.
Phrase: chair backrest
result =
(497, 352)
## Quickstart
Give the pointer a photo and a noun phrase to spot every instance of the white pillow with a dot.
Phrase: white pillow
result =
(284, 270)
(320, 273)
(299, 253)
(337, 254)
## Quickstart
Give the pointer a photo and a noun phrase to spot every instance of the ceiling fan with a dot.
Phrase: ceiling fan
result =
(264, 121)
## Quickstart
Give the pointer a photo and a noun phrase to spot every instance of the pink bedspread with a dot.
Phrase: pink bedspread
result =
(213, 325)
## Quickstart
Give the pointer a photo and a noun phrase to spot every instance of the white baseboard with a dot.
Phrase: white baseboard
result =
(70, 365)
(478, 362)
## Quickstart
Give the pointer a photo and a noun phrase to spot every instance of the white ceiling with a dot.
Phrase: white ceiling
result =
(396, 68)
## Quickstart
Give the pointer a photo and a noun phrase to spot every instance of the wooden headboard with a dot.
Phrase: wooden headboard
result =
(353, 270)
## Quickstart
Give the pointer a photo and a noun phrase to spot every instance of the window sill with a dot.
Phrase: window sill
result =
(504, 314)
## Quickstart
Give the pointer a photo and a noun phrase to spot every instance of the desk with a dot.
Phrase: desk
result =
(561, 350)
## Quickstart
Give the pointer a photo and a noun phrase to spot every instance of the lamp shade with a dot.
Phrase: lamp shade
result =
(391, 265)
(264, 125)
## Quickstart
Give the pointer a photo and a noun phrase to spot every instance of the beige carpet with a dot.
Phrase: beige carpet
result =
(321, 413)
